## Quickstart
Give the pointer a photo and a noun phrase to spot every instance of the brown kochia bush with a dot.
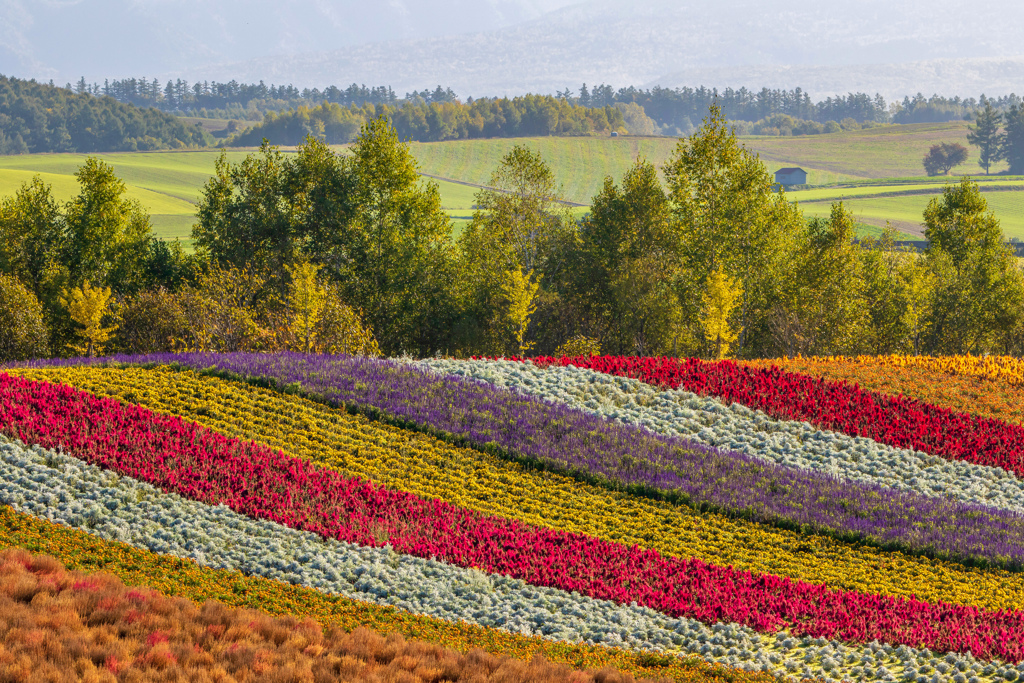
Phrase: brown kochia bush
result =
(57, 625)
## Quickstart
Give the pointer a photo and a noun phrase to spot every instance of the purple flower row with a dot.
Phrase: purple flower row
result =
(632, 458)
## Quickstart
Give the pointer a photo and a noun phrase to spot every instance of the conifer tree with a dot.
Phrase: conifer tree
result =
(985, 136)
(1012, 142)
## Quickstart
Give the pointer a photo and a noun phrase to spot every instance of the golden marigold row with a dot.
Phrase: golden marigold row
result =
(425, 466)
(1000, 368)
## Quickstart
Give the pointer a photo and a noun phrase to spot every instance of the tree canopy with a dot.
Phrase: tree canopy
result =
(35, 117)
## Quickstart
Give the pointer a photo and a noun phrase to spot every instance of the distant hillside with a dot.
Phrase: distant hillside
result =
(36, 117)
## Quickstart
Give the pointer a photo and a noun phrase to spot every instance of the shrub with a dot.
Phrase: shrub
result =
(340, 329)
(152, 322)
(23, 333)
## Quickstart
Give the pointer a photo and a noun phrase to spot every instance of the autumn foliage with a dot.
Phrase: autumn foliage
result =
(57, 625)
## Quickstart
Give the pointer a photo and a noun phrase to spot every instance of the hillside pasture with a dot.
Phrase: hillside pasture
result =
(904, 211)
(882, 152)
(580, 165)
(876, 171)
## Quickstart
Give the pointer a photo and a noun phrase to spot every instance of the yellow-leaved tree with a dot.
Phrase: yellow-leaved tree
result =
(87, 305)
(521, 293)
(580, 345)
(307, 298)
(721, 295)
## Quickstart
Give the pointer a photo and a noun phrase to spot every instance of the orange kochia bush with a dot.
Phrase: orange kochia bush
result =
(59, 625)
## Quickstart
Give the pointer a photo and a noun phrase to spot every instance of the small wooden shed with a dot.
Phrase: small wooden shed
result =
(791, 176)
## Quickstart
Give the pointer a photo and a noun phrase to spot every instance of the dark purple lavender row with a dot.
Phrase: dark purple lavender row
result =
(632, 458)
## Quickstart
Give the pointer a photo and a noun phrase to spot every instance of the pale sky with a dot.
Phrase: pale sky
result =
(509, 46)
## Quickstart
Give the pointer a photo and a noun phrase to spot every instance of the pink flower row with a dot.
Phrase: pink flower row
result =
(257, 481)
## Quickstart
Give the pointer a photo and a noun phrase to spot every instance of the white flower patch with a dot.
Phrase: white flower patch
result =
(738, 428)
(71, 492)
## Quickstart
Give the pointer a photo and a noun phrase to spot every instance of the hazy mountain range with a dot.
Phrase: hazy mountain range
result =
(515, 46)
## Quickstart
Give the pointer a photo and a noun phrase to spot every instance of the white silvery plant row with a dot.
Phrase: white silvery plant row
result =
(738, 428)
(63, 489)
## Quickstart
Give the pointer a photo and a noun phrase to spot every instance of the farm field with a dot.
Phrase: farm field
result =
(571, 507)
(861, 167)
(580, 164)
(904, 211)
(882, 152)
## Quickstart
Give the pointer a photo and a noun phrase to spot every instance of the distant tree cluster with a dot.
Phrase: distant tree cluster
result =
(999, 137)
(676, 109)
(36, 117)
(248, 101)
(529, 115)
(937, 109)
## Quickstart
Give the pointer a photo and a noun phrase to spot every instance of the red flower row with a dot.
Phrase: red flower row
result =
(836, 406)
(257, 481)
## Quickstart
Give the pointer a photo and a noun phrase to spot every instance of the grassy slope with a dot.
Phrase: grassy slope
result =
(904, 212)
(884, 152)
(871, 170)
(166, 183)
(580, 164)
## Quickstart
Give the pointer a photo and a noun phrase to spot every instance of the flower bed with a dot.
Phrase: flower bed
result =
(416, 463)
(63, 489)
(894, 420)
(992, 396)
(632, 458)
(253, 480)
(736, 427)
(174, 576)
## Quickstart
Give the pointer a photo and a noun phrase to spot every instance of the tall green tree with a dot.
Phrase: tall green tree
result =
(108, 236)
(984, 135)
(822, 311)
(31, 233)
(398, 261)
(728, 217)
(977, 285)
(886, 272)
(519, 225)
(624, 283)
(1012, 142)
(243, 217)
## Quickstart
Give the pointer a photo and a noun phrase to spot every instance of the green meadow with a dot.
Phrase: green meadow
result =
(875, 172)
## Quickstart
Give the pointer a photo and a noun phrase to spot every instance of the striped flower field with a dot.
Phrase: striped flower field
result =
(620, 517)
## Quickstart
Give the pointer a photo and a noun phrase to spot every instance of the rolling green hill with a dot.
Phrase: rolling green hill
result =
(876, 172)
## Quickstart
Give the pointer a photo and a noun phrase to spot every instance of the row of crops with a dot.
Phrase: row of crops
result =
(624, 516)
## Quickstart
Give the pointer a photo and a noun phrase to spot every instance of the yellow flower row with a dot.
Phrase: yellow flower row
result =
(425, 466)
(1001, 368)
(170, 575)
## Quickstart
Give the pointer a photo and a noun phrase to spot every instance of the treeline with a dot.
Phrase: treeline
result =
(529, 115)
(35, 117)
(674, 109)
(353, 252)
(248, 101)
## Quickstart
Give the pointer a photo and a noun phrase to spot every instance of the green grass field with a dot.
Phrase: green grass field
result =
(876, 172)
(167, 184)
(904, 212)
(883, 152)
(580, 164)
